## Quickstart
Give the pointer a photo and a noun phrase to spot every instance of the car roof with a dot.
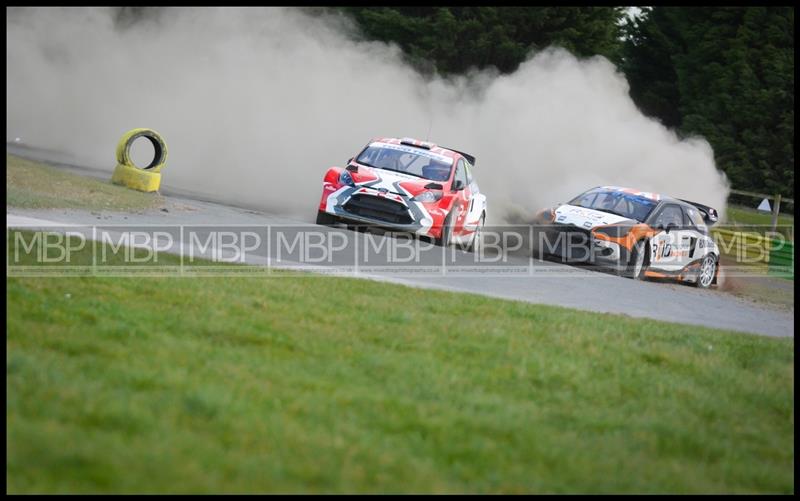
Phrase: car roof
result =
(434, 148)
(656, 197)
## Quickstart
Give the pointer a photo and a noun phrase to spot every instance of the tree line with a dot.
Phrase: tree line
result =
(724, 73)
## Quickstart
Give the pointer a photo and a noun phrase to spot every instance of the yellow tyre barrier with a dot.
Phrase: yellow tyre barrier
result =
(142, 179)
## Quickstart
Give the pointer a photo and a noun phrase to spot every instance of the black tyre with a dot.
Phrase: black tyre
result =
(325, 219)
(638, 261)
(475, 244)
(447, 232)
(708, 268)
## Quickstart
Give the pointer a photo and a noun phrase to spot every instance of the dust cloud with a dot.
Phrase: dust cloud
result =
(256, 103)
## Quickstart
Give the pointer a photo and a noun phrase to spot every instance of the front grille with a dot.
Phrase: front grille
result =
(571, 243)
(378, 208)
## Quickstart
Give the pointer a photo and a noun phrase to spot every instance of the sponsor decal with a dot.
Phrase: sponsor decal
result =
(415, 151)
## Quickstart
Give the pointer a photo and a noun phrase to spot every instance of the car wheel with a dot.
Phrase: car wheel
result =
(475, 244)
(447, 232)
(325, 219)
(638, 261)
(707, 269)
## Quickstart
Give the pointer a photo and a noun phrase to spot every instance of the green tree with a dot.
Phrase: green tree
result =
(727, 74)
(452, 40)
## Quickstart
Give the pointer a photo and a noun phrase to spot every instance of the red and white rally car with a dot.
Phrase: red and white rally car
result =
(407, 185)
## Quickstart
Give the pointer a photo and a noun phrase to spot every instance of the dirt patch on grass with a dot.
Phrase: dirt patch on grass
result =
(757, 286)
(33, 185)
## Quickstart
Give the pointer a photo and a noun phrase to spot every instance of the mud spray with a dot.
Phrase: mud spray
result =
(256, 103)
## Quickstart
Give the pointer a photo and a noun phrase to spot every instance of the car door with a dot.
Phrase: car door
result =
(461, 198)
(696, 232)
(671, 245)
(476, 204)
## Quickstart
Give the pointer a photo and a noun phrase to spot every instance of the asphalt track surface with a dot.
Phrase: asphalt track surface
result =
(365, 255)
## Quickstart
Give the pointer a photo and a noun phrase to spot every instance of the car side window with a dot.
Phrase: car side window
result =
(686, 221)
(461, 172)
(468, 167)
(692, 218)
(670, 214)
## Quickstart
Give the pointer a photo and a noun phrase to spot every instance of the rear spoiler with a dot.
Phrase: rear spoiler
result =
(709, 214)
(469, 157)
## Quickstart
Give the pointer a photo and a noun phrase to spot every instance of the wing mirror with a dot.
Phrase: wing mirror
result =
(670, 226)
(458, 185)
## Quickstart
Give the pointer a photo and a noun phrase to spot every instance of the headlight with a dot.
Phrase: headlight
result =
(346, 178)
(428, 196)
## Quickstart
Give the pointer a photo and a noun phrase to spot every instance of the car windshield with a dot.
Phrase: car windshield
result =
(408, 160)
(623, 204)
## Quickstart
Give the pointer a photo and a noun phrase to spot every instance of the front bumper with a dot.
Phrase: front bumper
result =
(572, 244)
(393, 211)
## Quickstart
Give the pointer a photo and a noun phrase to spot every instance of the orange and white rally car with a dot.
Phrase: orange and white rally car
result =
(410, 186)
(639, 233)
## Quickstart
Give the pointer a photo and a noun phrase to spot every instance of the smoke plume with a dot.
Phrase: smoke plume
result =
(256, 103)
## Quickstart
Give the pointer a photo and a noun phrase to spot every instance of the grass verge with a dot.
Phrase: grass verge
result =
(753, 220)
(33, 185)
(322, 384)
